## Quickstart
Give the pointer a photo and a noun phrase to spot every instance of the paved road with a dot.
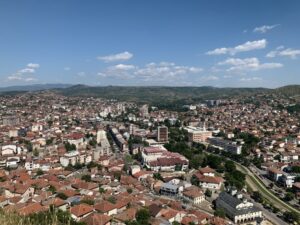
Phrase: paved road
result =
(271, 216)
(256, 184)
(267, 214)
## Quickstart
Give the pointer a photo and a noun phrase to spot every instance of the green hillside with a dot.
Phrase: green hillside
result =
(158, 94)
(290, 90)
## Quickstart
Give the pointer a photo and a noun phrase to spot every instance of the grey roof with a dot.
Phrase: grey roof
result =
(230, 202)
(169, 186)
(229, 199)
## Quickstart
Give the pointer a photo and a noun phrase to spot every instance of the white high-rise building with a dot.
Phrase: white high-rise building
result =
(101, 134)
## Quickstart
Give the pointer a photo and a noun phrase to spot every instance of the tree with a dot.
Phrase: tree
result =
(257, 196)
(117, 175)
(131, 222)
(52, 189)
(128, 162)
(157, 176)
(291, 216)
(176, 223)
(178, 167)
(92, 164)
(49, 141)
(51, 216)
(214, 161)
(235, 178)
(78, 166)
(88, 201)
(277, 157)
(257, 161)
(220, 212)
(275, 209)
(177, 123)
(142, 216)
(93, 142)
(70, 147)
(62, 195)
(39, 172)
(230, 166)
(289, 196)
(50, 122)
(29, 146)
(36, 152)
(112, 199)
(296, 169)
(101, 190)
(208, 193)
(196, 161)
(86, 178)
(194, 180)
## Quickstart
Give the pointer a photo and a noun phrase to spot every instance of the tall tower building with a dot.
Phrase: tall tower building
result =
(144, 112)
(162, 134)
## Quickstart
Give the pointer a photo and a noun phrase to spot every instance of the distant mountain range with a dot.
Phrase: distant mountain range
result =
(155, 94)
(34, 87)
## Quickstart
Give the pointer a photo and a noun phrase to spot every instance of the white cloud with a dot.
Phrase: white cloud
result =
(81, 74)
(280, 47)
(26, 70)
(100, 74)
(290, 53)
(281, 51)
(249, 79)
(20, 78)
(247, 46)
(123, 56)
(67, 68)
(157, 71)
(218, 51)
(33, 65)
(165, 70)
(264, 28)
(209, 78)
(271, 54)
(14, 77)
(195, 69)
(247, 64)
(122, 67)
(29, 79)
(22, 74)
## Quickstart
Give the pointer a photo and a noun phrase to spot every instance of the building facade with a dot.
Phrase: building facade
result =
(238, 210)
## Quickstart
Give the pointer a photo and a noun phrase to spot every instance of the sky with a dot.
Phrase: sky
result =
(250, 43)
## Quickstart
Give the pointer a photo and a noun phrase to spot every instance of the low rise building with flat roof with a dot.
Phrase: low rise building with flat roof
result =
(198, 134)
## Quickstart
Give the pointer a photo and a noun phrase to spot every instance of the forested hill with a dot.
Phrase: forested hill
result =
(158, 94)
(290, 90)
(33, 87)
(155, 94)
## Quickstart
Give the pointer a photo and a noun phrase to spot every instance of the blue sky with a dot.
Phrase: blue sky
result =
(159, 42)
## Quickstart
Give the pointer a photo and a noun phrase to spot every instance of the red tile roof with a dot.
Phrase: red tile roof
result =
(96, 219)
(81, 210)
(208, 179)
(31, 208)
(105, 206)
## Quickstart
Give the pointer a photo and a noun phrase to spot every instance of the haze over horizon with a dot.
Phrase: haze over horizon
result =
(153, 43)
